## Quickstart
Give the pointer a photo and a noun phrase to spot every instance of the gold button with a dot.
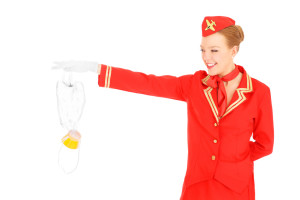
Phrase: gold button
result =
(216, 124)
(213, 157)
(215, 141)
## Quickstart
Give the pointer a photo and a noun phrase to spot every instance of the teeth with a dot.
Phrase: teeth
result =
(211, 64)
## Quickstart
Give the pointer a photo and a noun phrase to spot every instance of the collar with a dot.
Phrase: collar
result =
(245, 84)
(239, 96)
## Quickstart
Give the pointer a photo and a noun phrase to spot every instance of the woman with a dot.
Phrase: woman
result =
(225, 106)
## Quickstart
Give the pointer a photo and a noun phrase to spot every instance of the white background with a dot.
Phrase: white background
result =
(133, 146)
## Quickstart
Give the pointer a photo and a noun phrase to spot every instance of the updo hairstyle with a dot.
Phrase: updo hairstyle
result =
(234, 35)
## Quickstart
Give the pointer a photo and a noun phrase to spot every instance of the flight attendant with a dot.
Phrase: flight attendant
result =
(226, 106)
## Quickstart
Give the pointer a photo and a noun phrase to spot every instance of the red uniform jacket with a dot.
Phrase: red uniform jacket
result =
(218, 148)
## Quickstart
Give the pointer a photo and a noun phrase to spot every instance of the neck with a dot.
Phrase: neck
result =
(227, 71)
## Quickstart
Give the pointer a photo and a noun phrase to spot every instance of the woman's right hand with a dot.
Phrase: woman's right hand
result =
(77, 66)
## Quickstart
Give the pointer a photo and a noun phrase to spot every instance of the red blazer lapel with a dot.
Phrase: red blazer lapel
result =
(238, 98)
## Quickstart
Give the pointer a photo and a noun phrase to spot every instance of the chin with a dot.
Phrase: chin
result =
(211, 73)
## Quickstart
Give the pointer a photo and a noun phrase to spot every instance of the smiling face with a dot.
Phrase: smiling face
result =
(216, 54)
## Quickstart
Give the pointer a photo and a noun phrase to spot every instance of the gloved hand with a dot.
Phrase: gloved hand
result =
(77, 66)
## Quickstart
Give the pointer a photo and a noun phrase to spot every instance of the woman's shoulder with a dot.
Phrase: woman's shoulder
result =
(259, 85)
(201, 74)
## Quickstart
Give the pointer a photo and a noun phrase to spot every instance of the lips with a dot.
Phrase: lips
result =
(210, 65)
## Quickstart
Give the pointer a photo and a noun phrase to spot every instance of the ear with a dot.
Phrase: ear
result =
(234, 51)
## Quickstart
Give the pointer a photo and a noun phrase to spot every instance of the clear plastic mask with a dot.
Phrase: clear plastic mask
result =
(70, 104)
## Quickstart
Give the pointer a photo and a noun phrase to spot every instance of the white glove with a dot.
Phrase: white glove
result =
(77, 66)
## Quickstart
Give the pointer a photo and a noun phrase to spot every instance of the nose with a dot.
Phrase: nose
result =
(206, 56)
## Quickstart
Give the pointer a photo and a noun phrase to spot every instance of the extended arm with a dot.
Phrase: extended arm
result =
(161, 86)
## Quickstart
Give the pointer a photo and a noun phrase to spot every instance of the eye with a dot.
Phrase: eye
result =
(214, 50)
(202, 50)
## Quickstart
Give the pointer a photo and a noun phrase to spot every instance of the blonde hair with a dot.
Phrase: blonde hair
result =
(234, 35)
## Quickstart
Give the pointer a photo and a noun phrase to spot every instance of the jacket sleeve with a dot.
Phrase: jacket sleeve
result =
(263, 132)
(160, 86)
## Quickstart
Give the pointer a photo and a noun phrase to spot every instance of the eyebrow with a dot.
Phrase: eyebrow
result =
(210, 46)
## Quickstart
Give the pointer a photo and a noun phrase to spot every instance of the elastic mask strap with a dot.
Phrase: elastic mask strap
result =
(61, 166)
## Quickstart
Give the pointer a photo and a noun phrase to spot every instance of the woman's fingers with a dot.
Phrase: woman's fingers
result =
(76, 66)
(65, 65)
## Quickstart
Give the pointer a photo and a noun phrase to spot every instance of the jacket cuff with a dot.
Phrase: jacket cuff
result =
(104, 76)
